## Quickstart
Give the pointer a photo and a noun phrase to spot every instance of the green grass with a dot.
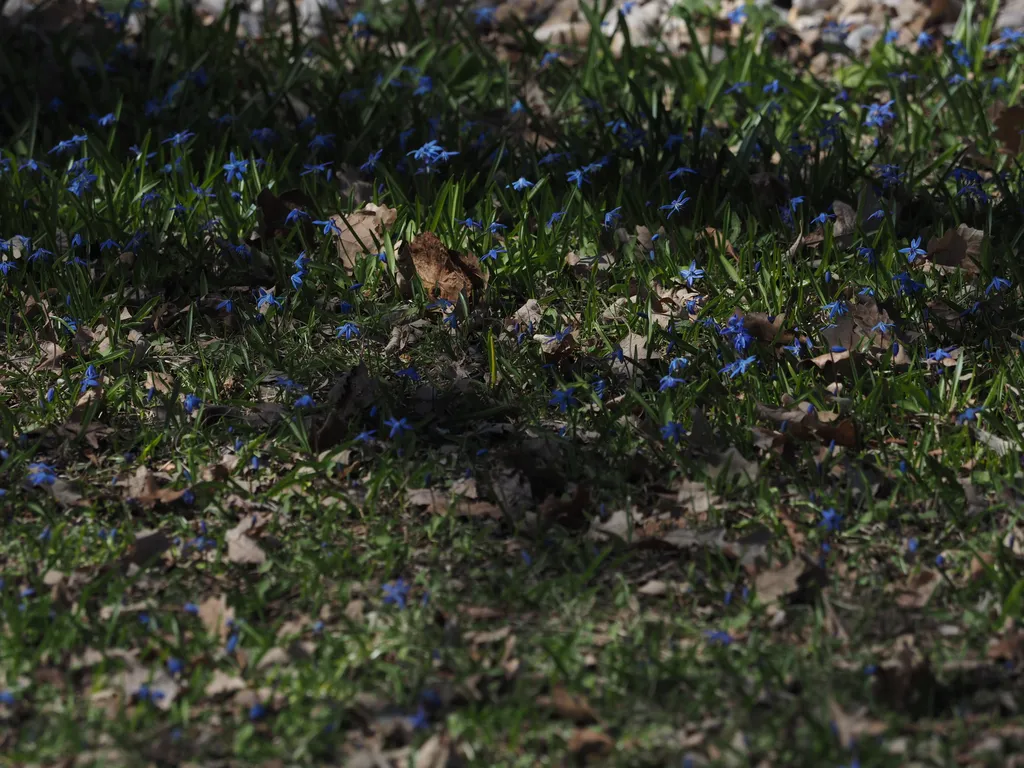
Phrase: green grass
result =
(726, 577)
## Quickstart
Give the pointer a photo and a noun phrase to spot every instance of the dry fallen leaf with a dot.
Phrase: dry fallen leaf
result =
(918, 589)
(217, 616)
(959, 248)
(442, 271)
(569, 706)
(142, 487)
(805, 423)
(587, 743)
(851, 727)
(242, 548)
(773, 585)
(1009, 128)
(360, 233)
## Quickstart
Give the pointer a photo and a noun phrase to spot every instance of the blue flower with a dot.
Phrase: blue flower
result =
(470, 223)
(577, 177)
(971, 414)
(235, 168)
(348, 330)
(739, 367)
(830, 520)
(323, 168)
(672, 431)
(669, 382)
(998, 284)
(492, 255)
(520, 184)
(882, 327)
(305, 402)
(940, 354)
(914, 250)
(794, 202)
(90, 380)
(691, 273)
(179, 138)
(563, 398)
(555, 218)
(266, 298)
(396, 593)
(192, 403)
(676, 205)
(321, 141)
(371, 162)
(612, 216)
(397, 426)
(328, 225)
(40, 473)
(836, 308)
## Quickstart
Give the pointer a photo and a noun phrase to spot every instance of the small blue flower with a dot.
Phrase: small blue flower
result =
(305, 402)
(192, 403)
(520, 184)
(612, 216)
(691, 273)
(998, 284)
(914, 250)
(348, 330)
(396, 593)
(672, 431)
(492, 255)
(397, 426)
(831, 520)
(266, 298)
(235, 168)
(739, 367)
(676, 206)
(563, 398)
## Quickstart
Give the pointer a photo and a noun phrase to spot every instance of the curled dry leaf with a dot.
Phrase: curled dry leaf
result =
(1009, 131)
(587, 743)
(142, 486)
(160, 382)
(360, 233)
(959, 248)
(147, 547)
(850, 727)
(217, 616)
(442, 271)
(805, 423)
(438, 502)
(242, 548)
(717, 240)
(52, 353)
(918, 589)
(797, 575)
(569, 706)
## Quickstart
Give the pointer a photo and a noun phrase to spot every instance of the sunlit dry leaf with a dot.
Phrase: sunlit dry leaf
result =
(588, 743)
(160, 382)
(568, 706)
(222, 683)
(774, 584)
(142, 486)
(51, 356)
(851, 727)
(216, 616)
(242, 548)
(360, 233)
(717, 240)
(918, 589)
(442, 271)
(804, 423)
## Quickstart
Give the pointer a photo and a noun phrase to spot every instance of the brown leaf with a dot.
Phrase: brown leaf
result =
(222, 683)
(717, 240)
(143, 488)
(851, 727)
(587, 743)
(441, 271)
(845, 223)
(360, 233)
(52, 354)
(242, 548)
(960, 248)
(275, 210)
(438, 502)
(160, 382)
(352, 394)
(217, 615)
(918, 589)
(435, 752)
(767, 329)
(773, 585)
(1009, 127)
(806, 424)
(147, 547)
(570, 513)
(569, 706)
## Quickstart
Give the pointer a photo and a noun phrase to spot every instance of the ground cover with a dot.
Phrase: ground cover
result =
(419, 392)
